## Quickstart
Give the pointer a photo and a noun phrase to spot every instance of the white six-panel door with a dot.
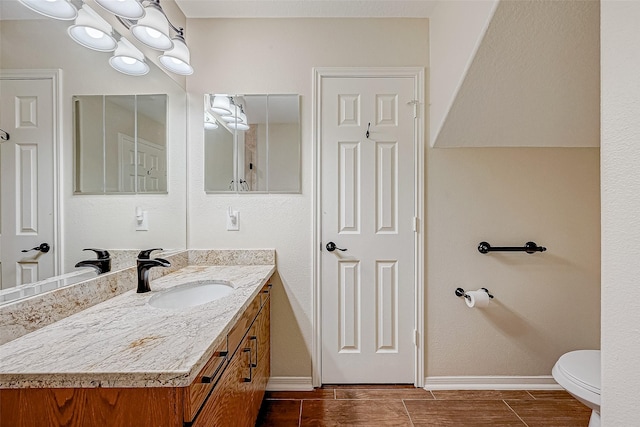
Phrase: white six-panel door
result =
(368, 208)
(27, 190)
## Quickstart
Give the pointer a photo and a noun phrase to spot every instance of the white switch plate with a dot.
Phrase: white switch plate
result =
(144, 224)
(231, 225)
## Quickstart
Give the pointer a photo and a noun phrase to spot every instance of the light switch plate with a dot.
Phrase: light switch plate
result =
(231, 224)
(144, 224)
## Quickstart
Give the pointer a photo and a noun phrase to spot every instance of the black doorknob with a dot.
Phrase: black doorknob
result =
(44, 248)
(332, 247)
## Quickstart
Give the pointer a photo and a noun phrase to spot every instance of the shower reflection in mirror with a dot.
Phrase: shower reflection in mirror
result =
(252, 143)
(120, 144)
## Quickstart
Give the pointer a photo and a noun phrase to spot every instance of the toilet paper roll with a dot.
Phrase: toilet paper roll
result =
(477, 299)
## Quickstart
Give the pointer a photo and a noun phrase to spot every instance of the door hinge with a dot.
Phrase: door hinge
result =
(415, 337)
(415, 104)
(416, 224)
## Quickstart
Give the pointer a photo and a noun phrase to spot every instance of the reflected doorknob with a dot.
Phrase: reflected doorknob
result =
(332, 247)
(44, 248)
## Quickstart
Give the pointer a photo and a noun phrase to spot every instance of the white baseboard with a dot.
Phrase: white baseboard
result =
(290, 384)
(544, 382)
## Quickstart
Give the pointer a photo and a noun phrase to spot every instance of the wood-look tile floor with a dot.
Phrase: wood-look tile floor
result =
(350, 405)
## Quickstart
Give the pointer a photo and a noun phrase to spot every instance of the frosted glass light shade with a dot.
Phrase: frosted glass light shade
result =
(177, 59)
(231, 118)
(57, 9)
(129, 9)
(92, 31)
(128, 59)
(238, 126)
(209, 122)
(153, 29)
(221, 105)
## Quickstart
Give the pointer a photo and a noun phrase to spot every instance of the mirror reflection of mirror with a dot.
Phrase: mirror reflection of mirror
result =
(252, 143)
(120, 144)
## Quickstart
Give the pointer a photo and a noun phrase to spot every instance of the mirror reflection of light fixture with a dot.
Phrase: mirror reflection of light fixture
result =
(57, 9)
(128, 59)
(221, 104)
(209, 122)
(153, 29)
(129, 9)
(240, 121)
(238, 126)
(237, 115)
(92, 31)
(177, 59)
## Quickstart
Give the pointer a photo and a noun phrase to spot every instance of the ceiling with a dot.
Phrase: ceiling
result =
(12, 9)
(306, 8)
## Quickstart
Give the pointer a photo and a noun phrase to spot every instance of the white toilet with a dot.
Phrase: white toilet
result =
(578, 372)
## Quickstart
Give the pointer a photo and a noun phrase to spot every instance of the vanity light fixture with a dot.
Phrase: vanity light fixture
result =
(128, 59)
(153, 28)
(146, 20)
(128, 9)
(177, 59)
(92, 31)
(56, 9)
(209, 122)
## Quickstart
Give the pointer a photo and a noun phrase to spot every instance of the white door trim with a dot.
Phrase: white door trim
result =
(55, 76)
(417, 73)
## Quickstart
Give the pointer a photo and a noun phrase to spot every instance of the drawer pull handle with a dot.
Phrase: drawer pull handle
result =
(248, 380)
(254, 338)
(209, 379)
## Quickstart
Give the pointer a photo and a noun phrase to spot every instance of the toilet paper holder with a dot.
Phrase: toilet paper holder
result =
(462, 293)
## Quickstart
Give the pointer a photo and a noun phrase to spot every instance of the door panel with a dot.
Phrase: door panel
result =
(368, 291)
(27, 180)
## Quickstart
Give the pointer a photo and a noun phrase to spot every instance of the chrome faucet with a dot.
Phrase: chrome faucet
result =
(102, 264)
(145, 263)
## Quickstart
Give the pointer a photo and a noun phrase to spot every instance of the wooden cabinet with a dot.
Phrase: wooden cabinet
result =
(236, 398)
(227, 392)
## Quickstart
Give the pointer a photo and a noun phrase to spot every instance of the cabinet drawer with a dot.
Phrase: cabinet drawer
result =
(242, 325)
(197, 392)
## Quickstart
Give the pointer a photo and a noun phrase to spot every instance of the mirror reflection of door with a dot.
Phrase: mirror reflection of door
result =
(27, 189)
(141, 170)
(120, 143)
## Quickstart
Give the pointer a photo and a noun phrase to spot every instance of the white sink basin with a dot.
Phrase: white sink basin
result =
(191, 294)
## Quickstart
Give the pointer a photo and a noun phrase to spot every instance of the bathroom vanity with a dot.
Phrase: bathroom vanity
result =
(124, 362)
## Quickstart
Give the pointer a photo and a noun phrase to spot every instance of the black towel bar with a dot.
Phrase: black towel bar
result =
(529, 247)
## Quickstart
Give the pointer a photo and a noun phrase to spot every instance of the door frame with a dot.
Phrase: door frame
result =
(417, 74)
(55, 75)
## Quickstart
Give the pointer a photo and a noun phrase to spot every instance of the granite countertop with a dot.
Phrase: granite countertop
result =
(124, 342)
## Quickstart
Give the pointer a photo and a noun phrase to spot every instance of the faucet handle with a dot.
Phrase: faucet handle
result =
(100, 253)
(146, 254)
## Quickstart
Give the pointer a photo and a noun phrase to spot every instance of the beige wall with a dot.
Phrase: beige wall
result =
(545, 304)
(620, 44)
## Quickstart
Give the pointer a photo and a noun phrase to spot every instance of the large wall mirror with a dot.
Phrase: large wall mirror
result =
(252, 143)
(120, 144)
(95, 219)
